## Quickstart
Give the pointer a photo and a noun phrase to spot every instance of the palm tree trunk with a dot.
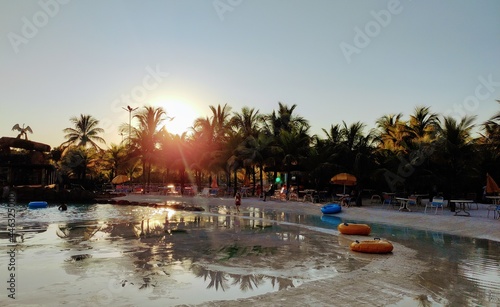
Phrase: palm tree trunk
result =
(143, 177)
(149, 176)
(261, 173)
(253, 177)
(235, 181)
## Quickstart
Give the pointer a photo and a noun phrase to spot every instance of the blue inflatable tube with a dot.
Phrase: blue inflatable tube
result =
(331, 209)
(37, 204)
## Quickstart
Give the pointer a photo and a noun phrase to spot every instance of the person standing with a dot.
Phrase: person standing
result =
(237, 201)
(266, 192)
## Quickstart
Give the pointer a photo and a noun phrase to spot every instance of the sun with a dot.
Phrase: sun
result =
(183, 114)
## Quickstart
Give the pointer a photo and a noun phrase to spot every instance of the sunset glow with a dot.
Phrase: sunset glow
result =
(182, 112)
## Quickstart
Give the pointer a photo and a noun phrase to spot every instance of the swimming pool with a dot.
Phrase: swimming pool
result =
(126, 255)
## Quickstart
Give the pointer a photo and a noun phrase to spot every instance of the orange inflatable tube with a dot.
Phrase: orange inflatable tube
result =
(354, 229)
(376, 246)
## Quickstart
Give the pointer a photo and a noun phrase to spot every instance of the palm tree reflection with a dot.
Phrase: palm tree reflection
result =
(220, 280)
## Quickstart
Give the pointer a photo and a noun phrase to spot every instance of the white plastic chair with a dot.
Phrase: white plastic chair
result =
(495, 209)
(437, 202)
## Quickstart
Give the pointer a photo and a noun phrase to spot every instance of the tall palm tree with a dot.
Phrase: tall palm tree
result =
(246, 125)
(283, 121)
(456, 158)
(220, 121)
(257, 151)
(214, 133)
(295, 148)
(85, 132)
(145, 137)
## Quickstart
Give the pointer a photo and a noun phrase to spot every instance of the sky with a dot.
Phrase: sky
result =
(337, 61)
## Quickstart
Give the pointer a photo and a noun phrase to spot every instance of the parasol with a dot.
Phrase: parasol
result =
(120, 179)
(344, 179)
(491, 185)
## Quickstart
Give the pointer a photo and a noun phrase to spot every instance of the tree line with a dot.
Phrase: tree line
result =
(424, 152)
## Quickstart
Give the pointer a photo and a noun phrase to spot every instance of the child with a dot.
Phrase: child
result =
(237, 201)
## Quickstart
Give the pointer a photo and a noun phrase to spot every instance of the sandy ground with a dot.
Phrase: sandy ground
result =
(388, 280)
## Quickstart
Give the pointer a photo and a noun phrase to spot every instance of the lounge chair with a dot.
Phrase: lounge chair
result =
(437, 202)
(388, 200)
(495, 209)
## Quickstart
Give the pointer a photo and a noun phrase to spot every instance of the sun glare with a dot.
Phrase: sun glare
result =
(183, 115)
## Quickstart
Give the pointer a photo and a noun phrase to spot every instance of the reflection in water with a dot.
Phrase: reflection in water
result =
(156, 253)
(77, 232)
(462, 271)
(249, 282)
(80, 257)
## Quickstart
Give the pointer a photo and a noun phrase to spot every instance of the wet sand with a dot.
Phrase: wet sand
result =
(388, 280)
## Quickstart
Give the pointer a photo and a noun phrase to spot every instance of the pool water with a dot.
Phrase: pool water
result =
(125, 255)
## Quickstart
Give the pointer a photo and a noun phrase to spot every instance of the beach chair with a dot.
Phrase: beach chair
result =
(495, 209)
(412, 200)
(205, 192)
(388, 200)
(437, 202)
(375, 199)
(293, 195)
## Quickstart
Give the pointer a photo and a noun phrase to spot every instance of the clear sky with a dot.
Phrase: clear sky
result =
(336, 60)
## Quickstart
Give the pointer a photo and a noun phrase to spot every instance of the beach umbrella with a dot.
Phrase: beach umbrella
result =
(491, 185)
(120, 179)
(344, 179)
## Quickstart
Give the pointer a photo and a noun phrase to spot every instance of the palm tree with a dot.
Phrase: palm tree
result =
(492, 132)
(456, 157)
(257, 151)
(489, 145)
(295, 148)
(277, 123)
(246, 125)
(391, 132)
(423, 125)
(284, 120)
(85, 132)
(247, 122)
(77, 160)
(145, 137)
(180, 154)
(114, 157)
(213, 134)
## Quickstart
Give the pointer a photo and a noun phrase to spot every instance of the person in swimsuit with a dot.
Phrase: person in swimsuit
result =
(237, 201)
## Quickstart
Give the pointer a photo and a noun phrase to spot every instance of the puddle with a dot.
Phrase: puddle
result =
(167, 256)
(103, 254)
